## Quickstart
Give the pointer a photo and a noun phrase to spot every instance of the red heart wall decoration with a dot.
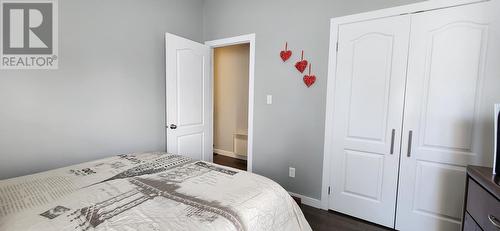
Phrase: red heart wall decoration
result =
(285, 54)
(302, 64)
(309, 79)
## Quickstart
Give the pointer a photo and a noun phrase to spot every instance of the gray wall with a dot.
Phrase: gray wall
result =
(107, 97)
(290, 132)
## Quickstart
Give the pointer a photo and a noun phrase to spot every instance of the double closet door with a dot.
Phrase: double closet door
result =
(413, 103)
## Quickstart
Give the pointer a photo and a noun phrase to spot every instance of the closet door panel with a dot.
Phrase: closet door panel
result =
(369, 94)
(370, 82)
(445, 114)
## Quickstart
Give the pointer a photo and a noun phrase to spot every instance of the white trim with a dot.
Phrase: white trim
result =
(405, 9)
(332, 61)
(307, 200)
(229, 154)
(249, 38)
(332, 67)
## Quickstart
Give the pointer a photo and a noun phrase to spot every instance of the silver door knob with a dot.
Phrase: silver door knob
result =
(173, 126)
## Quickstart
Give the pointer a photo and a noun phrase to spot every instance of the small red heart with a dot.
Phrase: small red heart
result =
(285, 55)
(301, 65)
(309, 80)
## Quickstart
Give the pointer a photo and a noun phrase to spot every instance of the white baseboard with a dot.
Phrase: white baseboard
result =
(230, 154)
(308, 200)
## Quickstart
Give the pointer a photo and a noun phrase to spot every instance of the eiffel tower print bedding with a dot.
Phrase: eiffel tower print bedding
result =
(148, 191)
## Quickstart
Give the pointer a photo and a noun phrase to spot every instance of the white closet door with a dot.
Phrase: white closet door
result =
(453, 81)
(369, 99)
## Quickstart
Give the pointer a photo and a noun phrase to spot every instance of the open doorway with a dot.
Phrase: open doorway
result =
(231, 105)
(232, 72)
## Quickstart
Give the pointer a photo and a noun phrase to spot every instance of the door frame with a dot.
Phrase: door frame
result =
(335, 23)
(242, 39)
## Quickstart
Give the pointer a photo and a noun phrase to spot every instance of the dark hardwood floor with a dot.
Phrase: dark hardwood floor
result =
(230, 162)
(321, 220)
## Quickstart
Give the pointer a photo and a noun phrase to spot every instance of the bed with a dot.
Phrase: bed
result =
(147, 191)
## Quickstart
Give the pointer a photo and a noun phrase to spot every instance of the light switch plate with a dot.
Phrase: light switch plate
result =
(269, 99)
(291, 172)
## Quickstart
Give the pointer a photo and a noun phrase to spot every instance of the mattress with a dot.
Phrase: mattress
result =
(147, 191)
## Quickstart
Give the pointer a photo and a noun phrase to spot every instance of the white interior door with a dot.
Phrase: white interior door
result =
(188, 98)
(369, 99)
(453, 81)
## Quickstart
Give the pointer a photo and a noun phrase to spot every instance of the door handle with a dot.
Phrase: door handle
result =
(410, 135)
(392, 140)
(173, 126)
(494, 221)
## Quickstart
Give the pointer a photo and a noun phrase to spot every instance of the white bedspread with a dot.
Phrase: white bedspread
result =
(149, 191)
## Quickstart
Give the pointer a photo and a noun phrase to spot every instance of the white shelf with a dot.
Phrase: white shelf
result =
(243, 132)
